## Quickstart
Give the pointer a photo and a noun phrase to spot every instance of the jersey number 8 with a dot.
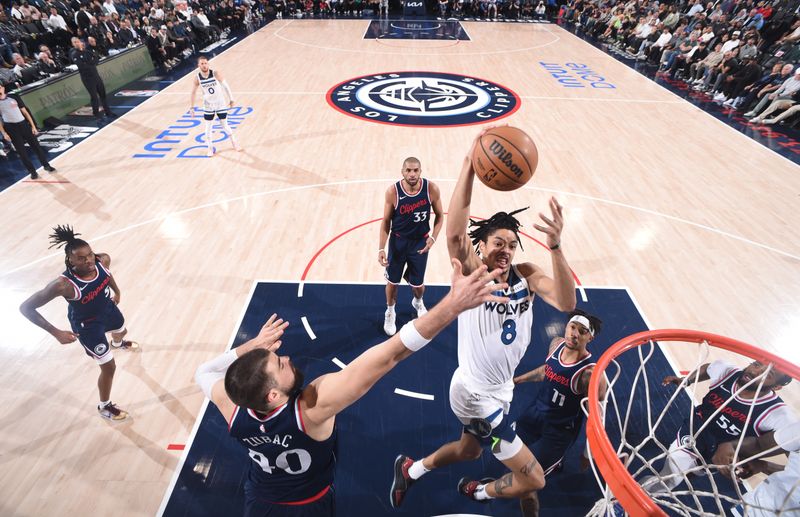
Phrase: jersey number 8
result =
(509, 332)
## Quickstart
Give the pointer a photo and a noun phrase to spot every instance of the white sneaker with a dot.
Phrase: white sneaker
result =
(750, 114)
(770, 120)
(756, 120)
(388, 323)
(420, 307)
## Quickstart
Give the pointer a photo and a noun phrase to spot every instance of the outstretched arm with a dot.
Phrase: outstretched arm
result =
(330, 394)
(699, 375)
(210, 376)
(458, 243)
(558, 291)
(56, 288)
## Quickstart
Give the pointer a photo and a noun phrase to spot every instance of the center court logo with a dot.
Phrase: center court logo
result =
(423, 99)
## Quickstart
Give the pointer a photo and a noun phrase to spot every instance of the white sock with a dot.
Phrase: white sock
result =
(390, 309)
(480, 493)
(227, 129)
(209, 143)
(417, 301)
(103, 404)
(417, 469)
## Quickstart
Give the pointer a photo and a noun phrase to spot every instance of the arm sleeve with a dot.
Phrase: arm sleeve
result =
(717, 370)
(209, 373)
(227, 89)
(788, 437)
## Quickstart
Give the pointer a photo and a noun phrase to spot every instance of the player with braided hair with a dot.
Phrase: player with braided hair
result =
(492, 338)
(92, 295)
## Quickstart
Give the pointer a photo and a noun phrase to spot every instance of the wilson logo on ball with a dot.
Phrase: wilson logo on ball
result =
(506, 158)
(423, 99)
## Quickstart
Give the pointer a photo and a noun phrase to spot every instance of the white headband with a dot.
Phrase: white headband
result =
(583, 320)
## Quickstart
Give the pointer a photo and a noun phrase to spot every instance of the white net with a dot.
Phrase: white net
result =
(667, 444)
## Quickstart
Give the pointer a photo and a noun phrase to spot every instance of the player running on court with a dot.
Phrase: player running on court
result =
(492, 338)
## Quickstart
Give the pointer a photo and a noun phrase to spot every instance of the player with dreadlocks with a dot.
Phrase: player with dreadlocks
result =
(87, 285)
(492, 338)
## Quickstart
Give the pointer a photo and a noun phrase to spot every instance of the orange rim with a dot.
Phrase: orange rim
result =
(624, 488)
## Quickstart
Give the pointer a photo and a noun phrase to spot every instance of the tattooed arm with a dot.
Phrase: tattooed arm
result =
(537, 374)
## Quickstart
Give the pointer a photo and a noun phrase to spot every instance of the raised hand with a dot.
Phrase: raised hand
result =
(553, 226)
(476, 288)
(671, 379)
(271, 332)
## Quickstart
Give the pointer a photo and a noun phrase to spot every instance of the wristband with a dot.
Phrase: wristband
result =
(381, 251)
(411, 338)
(553, 248)
(431, 237)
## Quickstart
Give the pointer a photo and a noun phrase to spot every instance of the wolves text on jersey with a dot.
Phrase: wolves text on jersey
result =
(508, 308)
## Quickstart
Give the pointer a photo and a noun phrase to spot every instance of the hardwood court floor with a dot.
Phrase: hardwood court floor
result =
(696, 219)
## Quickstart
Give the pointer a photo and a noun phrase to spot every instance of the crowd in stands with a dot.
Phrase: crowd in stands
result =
(743, 54)
(35, 35)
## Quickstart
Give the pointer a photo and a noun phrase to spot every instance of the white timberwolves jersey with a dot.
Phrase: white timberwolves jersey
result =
(492, 338)
(213, 96)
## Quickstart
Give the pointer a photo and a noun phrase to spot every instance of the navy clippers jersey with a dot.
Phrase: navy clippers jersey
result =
(730, 422)
(288, 465)
(92, 298)
(558, 398)
(412, 214)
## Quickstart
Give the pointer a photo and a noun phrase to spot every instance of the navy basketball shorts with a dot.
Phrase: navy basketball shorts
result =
(548, 441)
(323, 507)
(405, 262)
(706, 443)
(92, 333)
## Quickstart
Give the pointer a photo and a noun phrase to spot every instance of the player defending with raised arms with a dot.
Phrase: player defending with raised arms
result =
(290, 430)
(215, 102)
(87, 285)
(492, 338)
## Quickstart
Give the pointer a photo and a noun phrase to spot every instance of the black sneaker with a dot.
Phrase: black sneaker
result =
(402, 480)
(112, 412)
(34, 175)
(467, 487)
(49, 168)
(110, 114)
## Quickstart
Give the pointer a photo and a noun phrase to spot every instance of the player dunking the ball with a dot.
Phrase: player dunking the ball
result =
(87, 285)
(492, 338)
(215, 101)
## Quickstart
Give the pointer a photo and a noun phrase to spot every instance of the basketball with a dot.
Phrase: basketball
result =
(505, 158)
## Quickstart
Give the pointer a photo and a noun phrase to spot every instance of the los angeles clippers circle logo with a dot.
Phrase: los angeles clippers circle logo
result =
(423, 99)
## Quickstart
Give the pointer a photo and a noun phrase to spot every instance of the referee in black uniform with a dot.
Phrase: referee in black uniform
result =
(18, 127)
(87, 60)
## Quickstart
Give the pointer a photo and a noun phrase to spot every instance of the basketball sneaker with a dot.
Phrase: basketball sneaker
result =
(402, 480)
(419, 307)
(467, 488)
(126, 345)
(389, 325)
(111, 412)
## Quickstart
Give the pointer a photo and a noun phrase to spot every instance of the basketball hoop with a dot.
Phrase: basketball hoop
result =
(621, 466)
